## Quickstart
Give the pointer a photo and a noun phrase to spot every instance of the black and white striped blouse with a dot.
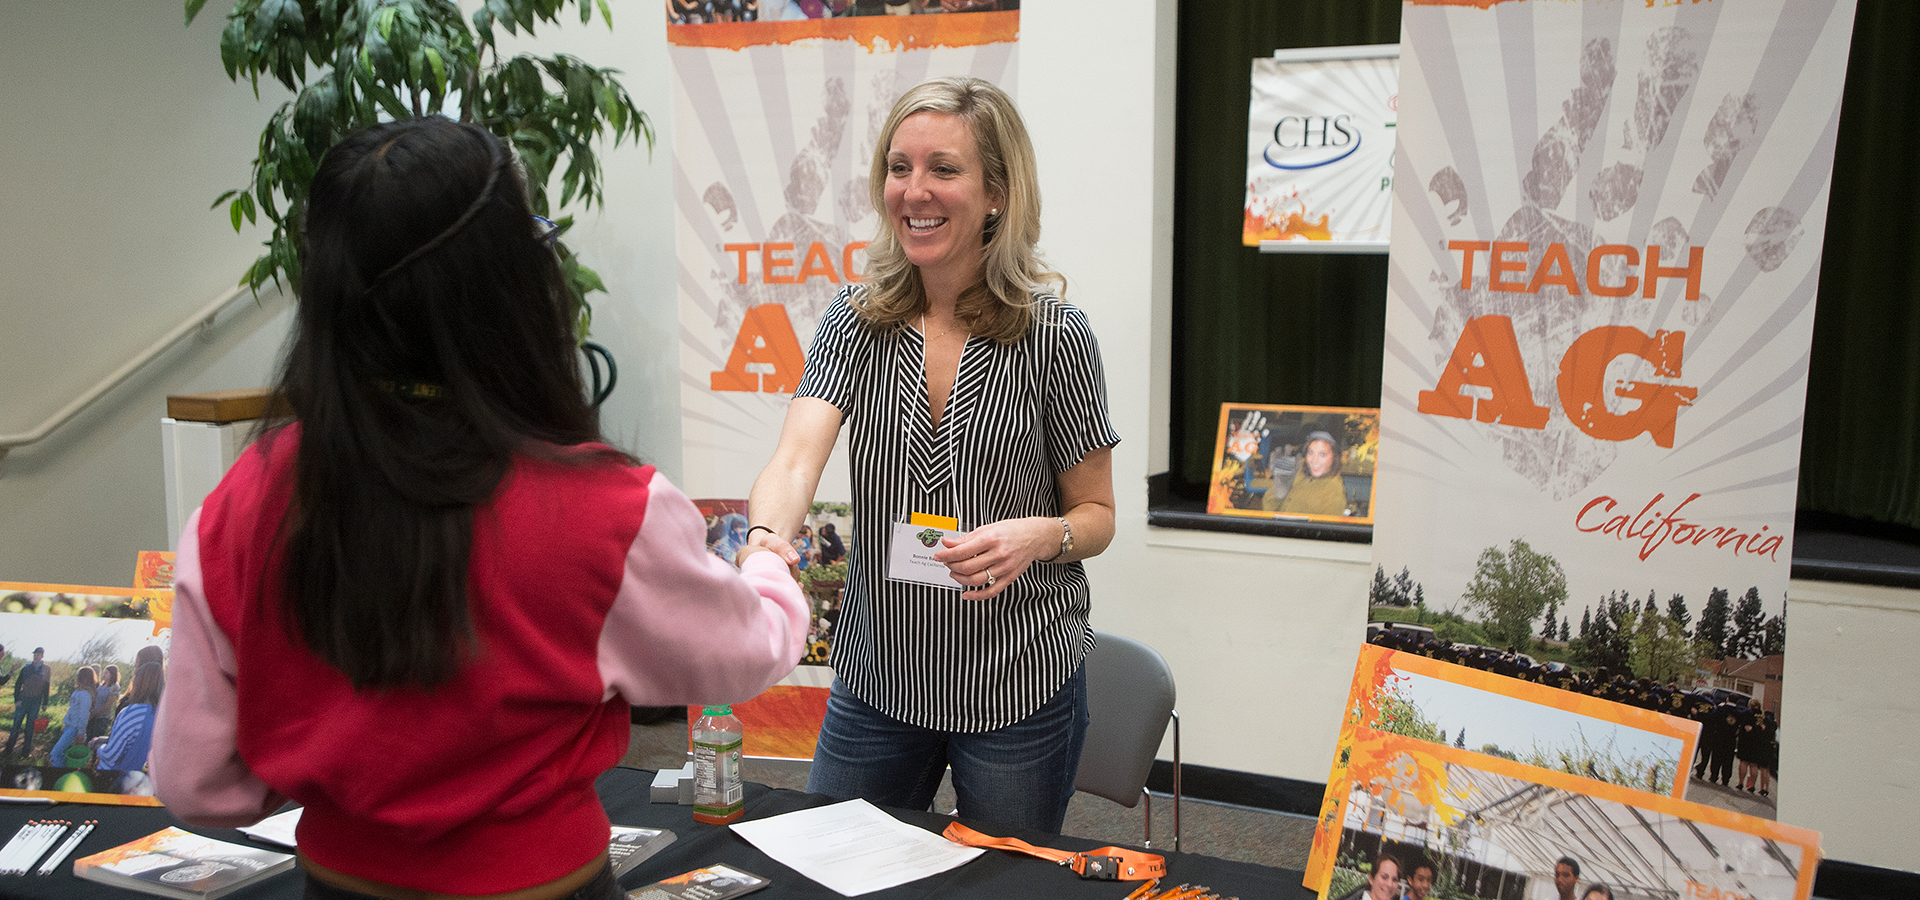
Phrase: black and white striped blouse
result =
(1018, 414)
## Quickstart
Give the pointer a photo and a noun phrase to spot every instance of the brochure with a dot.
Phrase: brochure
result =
(632, 845)
(711, 883)
(175, 863)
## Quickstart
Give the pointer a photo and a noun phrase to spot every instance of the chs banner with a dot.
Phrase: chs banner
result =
(1320, 125)
(774, 129)
(1606, 242)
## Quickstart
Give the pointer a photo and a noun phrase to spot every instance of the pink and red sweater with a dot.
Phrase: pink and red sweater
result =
(590, 590)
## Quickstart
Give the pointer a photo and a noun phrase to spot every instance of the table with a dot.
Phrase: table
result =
(996, 874)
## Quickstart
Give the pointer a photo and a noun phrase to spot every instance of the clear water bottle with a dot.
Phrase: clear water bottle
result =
(717, 790)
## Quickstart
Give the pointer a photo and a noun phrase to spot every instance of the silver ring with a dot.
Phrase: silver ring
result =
(989, 578)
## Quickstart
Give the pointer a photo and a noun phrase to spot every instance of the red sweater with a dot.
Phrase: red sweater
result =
(590, 590)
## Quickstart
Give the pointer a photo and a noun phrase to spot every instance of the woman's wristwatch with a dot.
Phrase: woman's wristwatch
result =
(1066, 539)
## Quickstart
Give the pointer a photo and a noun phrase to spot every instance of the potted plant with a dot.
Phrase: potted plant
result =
(351, 63)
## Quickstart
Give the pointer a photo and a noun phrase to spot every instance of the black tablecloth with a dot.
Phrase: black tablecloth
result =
(996, 874)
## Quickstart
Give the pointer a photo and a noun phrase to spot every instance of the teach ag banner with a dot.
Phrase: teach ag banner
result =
(1606, 243)
(774, 129)
(1320, 126)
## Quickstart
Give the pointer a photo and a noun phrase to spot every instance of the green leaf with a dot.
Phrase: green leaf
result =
(234, 212)
(588, 279)
(233, 46)
(439, 65)
(483, 25)
(193, 9)
(380, 60)
(605, 12)
(381, 95)
(502, 13)
(314, 113)
(223, 198)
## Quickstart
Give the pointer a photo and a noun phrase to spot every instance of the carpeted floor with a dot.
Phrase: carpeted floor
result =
(1215, 829)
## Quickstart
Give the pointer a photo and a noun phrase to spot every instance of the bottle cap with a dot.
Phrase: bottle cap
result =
(724, 709)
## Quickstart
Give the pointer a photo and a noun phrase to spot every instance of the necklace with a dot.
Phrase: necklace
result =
(930, 337)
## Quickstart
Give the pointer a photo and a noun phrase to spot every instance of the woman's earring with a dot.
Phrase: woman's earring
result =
(993, 212)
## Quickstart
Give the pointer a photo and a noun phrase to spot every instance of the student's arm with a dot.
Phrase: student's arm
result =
(195, 760)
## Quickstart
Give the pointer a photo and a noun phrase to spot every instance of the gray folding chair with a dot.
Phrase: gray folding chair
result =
(1129, 703)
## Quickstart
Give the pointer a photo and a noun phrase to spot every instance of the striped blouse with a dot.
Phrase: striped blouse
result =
(1018, 415)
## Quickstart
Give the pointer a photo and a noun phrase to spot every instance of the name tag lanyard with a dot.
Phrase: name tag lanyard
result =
(949, 429)
(915, 535)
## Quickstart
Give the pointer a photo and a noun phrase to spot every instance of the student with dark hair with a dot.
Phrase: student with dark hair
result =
(104, 697)
(423, 607)
(1420, 872)
(1314, 485)
(31, 686)
(1597, 891)
(130, 739)
(1566, 876)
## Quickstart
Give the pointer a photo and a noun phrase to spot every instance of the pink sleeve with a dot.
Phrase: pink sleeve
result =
(687, 627)
(196, 765)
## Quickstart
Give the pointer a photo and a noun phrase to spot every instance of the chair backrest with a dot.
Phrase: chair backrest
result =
(1129, 702)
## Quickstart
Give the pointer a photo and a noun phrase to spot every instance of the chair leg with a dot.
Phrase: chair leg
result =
(1176, 781)
(1148, 806)
(1147, 795)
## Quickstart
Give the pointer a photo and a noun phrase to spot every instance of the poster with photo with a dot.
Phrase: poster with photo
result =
(774, 126)
(1472, 709)
(1313, 463)
(1606, 248)
(823, 541)
(1416, 819)
(81, 688)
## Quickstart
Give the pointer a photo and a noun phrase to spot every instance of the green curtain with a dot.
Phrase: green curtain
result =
(1274, 328)
(1860, 452)
(1253, 327)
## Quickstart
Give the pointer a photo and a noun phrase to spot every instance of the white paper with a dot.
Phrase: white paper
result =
(853, 847)
(275, 829)
(910, 555)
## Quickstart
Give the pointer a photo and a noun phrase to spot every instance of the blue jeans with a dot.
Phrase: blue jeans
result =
(68, 735)
(1019, 775)
(25, 712)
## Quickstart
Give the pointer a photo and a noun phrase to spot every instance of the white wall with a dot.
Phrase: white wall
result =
(1852, 749)
(107, 178)
(120, 129)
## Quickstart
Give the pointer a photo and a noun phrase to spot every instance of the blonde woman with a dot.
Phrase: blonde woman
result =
(971, 391)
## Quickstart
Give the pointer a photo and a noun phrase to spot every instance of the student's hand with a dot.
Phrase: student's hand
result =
(763, 539)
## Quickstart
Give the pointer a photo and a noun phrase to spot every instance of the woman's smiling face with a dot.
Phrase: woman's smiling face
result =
(1319, 458)
(936, 196)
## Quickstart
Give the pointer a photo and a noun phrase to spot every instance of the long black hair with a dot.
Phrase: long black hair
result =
(433, 341)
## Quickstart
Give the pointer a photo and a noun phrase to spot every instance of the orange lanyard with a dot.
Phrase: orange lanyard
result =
(1103, 864)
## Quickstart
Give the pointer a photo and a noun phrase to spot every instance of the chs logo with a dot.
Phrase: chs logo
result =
(1309, 142)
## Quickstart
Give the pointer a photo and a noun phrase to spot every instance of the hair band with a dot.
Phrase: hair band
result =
(472, 211)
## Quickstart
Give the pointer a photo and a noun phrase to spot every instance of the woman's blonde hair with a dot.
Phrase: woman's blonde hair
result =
(1000, 306)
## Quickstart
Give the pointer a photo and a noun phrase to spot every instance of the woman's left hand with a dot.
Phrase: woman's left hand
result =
(987, 559)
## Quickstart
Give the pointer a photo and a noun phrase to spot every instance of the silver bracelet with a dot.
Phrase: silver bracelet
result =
(1066, 539)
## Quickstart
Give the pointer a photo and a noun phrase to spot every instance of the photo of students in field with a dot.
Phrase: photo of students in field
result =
(78, 702)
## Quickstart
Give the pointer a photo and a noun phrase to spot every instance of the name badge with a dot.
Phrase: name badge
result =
(910, 555)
